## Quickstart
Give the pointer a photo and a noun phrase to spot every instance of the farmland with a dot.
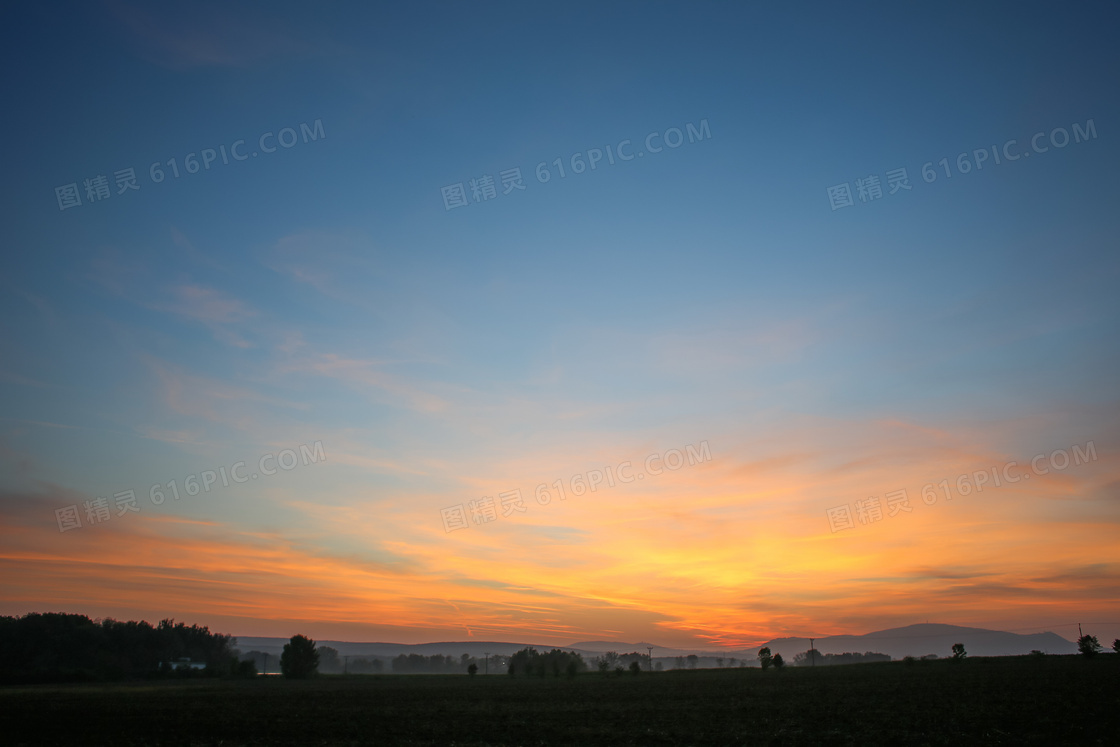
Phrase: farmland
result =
(1012, 700)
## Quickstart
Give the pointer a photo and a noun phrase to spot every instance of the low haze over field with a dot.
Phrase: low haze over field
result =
(697, 324)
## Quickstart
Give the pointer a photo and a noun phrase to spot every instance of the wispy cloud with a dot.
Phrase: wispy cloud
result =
(13, 378)
(212, 400)
(218, 311)
(210, 35)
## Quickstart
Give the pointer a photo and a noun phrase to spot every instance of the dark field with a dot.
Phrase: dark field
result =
(1012, 701)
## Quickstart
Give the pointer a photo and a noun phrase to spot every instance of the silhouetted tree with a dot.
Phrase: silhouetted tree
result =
(764, 657)
(679, 662)
(608, 661)
(642, 659)
(260, 660)
(635, 667)
(245, 669)
(778, 661)
(1116, 645)
(958, 651)
(329, 661)
(1088, 645)
(472, 670)
(692, 661)
(299, 660)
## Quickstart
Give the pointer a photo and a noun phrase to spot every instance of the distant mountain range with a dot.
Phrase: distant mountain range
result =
(912, 640)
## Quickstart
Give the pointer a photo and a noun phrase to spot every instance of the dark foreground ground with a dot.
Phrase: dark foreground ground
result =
(1012, 701)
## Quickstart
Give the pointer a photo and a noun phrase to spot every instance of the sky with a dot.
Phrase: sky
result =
(692, 323)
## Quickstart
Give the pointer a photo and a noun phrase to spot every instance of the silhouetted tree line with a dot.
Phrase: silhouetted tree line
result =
(612, 660)
(529, 661)
(63, 647)
(813, 657)
(434, 664)
(692, 660)
(330, 662)
(365, 665)
(634, 657)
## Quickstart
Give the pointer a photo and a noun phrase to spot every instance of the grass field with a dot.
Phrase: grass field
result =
(1012, 701)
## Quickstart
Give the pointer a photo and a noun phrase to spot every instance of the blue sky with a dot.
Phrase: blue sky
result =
(324, 292)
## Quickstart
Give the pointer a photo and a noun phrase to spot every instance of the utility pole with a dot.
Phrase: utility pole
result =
(650, 650)
(346, 664)
(265, 664)
(1079, 633)
(486, 664)
(812, 653)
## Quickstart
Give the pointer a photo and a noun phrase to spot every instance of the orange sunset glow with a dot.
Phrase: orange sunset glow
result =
(700, 328)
